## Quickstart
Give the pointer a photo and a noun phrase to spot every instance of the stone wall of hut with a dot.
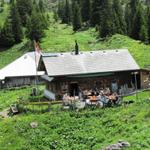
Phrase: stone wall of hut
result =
(145, 79)
(61, 86)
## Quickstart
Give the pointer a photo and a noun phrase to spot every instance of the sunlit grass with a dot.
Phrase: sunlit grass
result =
(8, 97)
(60, 38)
(4, 14)
(88, 129)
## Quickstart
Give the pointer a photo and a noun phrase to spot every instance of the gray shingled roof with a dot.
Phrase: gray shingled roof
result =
(89, 62)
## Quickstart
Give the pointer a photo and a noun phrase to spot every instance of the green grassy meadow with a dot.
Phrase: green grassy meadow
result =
(60, 38)
(8, 56)
(87, 129)
(139, 97)
(8, 97)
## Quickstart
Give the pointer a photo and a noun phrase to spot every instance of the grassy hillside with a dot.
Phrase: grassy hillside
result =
(88, 129)
(9, 55)
(60, 38)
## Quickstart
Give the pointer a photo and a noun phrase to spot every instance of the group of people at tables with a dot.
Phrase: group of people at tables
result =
(95, 97)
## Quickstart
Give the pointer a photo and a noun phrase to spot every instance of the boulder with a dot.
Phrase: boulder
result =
(118, 146)
(34, 124)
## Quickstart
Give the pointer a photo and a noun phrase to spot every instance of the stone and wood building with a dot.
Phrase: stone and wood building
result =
(72, 72)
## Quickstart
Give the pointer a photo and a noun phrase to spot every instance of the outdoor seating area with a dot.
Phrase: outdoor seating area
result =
(100, 98)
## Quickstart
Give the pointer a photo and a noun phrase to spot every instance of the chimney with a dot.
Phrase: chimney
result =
(76, 48)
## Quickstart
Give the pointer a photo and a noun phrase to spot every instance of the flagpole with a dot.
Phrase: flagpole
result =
(36, 66)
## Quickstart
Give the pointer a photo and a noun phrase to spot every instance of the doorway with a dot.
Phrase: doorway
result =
(74, 89)
(138, 78)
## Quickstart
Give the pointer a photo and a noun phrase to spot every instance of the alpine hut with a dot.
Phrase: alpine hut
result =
(71, 72)
(22, 71)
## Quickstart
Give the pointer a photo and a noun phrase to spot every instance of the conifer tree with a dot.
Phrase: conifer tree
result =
(25, 9)
(55, 15)
(64, 11)
(143, 35)
(128, 19)
(139, 30)
(95, 12)
(86, 10)
(136, 24)
(119, 25)
(6, 34)
(105, 24)
(77, 22)
(35, 29)
(16, 23)
(148, 22)
(61, 6)
(41, 6)
(67, 13)
(133, 5)
(41, 14)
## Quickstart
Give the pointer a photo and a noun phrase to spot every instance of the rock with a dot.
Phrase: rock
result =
(124, 144)
(118, 146)
(34, 124)
(114, 147)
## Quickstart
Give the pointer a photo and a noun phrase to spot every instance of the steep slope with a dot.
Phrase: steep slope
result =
(60, 38)
(88, 129)
(9, 55)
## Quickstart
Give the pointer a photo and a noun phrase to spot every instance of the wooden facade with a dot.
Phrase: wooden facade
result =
(62, 85)
(11, 82)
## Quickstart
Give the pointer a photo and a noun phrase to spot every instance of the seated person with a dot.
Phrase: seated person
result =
(113, 98)
(104, 99)
(99, 97)
(66, 99)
